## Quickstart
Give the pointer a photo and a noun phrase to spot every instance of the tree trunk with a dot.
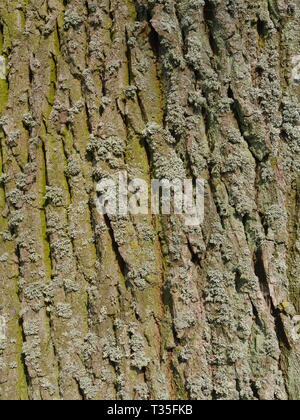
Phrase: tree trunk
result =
(145, 307)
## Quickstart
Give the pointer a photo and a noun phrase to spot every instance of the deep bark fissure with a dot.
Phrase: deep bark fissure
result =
(121, 262)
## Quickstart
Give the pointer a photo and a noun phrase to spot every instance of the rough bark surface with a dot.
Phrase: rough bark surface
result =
(138, 307)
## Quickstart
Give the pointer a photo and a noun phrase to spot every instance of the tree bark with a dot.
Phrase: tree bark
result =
(144, 307)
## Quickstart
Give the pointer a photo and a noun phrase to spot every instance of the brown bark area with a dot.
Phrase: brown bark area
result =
(144, 307)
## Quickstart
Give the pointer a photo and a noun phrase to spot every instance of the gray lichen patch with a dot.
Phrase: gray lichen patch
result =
(3, 328)
(55, 196)
(73, 166)
(106, 148)
(64, 310)
(113, 352)
(72, 20)
(31, 327)
(138, 357)
(4, 257)
(2, 68)
(12, 138)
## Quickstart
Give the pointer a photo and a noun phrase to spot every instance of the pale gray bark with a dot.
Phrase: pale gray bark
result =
(144, 307)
